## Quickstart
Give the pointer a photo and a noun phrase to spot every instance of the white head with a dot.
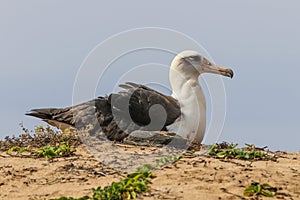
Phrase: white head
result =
(192, 64)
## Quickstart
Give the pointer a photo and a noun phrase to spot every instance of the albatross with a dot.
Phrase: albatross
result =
(136, 106)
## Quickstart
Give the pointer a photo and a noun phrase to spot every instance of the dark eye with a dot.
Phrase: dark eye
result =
(195, 58)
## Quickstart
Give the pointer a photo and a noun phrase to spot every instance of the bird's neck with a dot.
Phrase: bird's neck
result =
(184, 85)
(187, 90)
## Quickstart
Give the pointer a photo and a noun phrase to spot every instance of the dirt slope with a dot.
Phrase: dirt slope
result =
(192, 177)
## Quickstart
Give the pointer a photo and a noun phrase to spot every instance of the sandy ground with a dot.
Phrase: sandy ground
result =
(192, 177)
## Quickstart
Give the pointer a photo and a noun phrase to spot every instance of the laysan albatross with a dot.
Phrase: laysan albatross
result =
(119, 114)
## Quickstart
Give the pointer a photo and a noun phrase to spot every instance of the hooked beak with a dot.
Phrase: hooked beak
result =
(215, 69)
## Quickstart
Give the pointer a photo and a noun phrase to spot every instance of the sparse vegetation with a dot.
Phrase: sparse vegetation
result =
(47, 143)
(260, 189)
(127, 188)
(44, 142)
(18, 150)
(60, 150)
(145, 168)
(250, 152)
(168, 159)
(40, 137)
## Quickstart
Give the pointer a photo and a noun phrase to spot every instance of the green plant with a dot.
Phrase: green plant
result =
(260, 189)
(127, 188)
(18, 150)
(60, 150)
(168, 159)
(225, 150)
(12, 149)
(145, 168)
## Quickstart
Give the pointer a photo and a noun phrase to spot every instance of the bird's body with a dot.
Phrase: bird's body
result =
(110, 114)
(138, 107)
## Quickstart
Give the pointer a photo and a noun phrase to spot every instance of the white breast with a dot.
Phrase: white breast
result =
(192, 122)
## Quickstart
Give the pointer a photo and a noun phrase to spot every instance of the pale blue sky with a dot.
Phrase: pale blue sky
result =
(43, 44)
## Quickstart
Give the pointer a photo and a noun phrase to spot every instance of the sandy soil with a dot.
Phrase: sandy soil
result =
(193, 177)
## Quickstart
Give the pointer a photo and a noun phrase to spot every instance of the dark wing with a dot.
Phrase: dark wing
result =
(110, 114)
(141, 99)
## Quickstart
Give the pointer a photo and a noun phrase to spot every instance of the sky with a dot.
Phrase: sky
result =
(43, 45)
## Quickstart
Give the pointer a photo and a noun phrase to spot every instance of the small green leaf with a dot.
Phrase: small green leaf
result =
(22, 150)
(267, 193)
(260, 189)
(249, 192)
(12, 149)
(133, 194)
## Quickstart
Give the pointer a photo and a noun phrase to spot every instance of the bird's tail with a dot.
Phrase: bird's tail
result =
(43, 113)
(48, 116)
